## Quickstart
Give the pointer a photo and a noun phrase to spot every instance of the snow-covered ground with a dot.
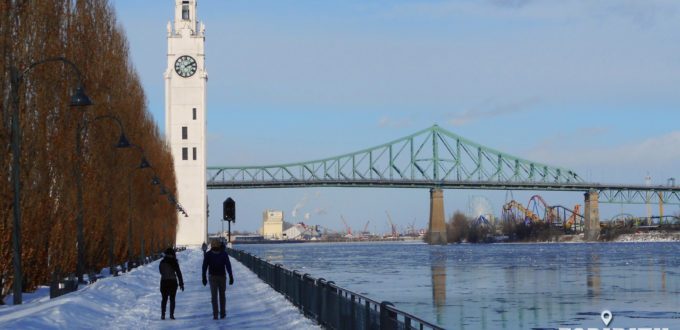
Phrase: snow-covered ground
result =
(133, 300)
(652, 236)
(647, 236)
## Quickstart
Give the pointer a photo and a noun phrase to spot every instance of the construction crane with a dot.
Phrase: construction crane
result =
(392, 227)
(412, 229)
(349, 230)
(366, 227)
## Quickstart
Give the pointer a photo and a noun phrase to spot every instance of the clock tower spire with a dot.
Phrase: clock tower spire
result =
(185, 119)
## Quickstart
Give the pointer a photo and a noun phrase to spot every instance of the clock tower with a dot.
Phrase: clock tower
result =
(185, 119)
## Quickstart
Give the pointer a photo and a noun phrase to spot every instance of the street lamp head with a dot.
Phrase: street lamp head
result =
(144, 163)
(163, 191)
(122, 141)
(155, 181)
(79, 98)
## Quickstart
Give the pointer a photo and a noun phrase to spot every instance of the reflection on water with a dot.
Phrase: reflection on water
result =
(663, 273)
(504, 286)
(438, 268)
(274, 256)
(593, 275)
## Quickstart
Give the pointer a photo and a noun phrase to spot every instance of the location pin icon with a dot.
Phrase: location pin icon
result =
(606, 317)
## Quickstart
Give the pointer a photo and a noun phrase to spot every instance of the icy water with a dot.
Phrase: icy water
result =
(503, 286)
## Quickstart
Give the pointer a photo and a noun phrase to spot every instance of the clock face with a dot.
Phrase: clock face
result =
(185, 66)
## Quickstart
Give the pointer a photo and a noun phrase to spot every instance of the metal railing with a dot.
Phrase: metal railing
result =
(328, 304)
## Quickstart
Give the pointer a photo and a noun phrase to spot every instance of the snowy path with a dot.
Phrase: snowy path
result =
(133, 301)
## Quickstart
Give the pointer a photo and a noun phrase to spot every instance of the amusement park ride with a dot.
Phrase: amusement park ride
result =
(571, 219)
(538, 211)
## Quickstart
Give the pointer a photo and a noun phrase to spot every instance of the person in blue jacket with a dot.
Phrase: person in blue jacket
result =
(170, 273)
(217, 261)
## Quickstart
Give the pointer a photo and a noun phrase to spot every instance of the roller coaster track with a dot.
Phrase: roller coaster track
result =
(555, 214)
(575, 220)
(629, 219)
(622, 216)
(547, 210)
(509, 214)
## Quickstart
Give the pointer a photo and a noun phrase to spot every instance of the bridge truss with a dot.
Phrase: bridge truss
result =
(431, 158)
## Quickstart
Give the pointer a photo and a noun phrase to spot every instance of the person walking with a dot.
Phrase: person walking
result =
(217, 261)
(170, 273)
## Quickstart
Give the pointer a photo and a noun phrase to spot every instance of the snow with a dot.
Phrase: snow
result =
(132, 300)
(641, 237)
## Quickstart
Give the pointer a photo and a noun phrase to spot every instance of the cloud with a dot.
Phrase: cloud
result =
(320, 211)
(307, 216)
(592, 131)
(510, 3)
(389, 122)
(641, 13)
(581, 135)
(660, 152)
(470, 116)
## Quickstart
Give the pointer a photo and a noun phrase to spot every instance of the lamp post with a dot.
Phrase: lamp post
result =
(122, 143)
(155, 181)
(112, 268)
(79, 98)
(130, 251)
(144, 164)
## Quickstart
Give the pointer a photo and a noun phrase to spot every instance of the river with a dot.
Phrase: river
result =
(502, 286)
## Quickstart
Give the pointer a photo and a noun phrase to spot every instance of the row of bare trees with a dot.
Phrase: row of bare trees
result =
(114, 190)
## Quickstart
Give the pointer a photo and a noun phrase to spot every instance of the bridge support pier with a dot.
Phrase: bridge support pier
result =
(437, 220)
(591, 216)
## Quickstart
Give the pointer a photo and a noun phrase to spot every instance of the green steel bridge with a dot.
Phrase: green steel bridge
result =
(432, 158)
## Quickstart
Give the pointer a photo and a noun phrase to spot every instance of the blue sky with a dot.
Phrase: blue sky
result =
(588, 85)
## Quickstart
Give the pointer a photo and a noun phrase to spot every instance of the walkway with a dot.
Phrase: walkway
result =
(133, 301)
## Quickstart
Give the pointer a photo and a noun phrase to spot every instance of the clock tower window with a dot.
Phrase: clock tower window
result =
(185, 132)
(185, 10)
(194, 153)
(194, 113)
(185, 153)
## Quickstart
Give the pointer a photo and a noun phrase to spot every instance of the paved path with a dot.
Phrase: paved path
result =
(133, 301)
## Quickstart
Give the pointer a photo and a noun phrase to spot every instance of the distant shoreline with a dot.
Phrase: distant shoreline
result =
(642, 237)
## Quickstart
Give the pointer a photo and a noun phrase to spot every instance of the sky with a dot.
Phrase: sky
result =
(587, 85)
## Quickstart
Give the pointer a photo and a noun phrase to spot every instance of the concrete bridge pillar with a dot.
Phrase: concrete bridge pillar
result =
(591, 216)
(437, 220)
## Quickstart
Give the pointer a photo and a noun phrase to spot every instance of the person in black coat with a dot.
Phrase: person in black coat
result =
(170, 273)
(217, 261)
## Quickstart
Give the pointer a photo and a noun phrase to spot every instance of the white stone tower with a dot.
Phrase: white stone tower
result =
(185, 119)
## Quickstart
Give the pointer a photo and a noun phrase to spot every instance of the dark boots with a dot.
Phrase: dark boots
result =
(172, 310)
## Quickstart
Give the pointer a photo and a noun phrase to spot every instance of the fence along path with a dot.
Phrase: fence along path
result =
(330, 305)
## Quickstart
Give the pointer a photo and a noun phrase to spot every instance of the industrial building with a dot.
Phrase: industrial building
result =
(272, 224)
(302, 231)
